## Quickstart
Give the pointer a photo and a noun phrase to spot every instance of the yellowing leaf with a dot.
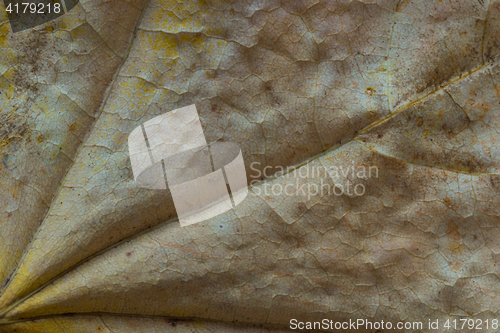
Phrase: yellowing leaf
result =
(382, 115)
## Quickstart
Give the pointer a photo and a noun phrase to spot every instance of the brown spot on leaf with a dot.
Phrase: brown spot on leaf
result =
(495, 181)
(452, 231)
(370, 91)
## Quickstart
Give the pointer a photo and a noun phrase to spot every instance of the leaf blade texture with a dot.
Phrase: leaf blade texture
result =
(408, 87)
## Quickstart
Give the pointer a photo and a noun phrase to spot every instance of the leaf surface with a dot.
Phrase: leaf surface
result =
(410, 89)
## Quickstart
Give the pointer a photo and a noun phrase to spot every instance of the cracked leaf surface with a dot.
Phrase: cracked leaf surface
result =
(408, 87)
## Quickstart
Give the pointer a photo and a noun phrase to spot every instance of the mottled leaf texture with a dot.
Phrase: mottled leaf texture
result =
(408, 88)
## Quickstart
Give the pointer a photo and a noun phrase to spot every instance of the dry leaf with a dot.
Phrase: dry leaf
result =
(407, 89)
